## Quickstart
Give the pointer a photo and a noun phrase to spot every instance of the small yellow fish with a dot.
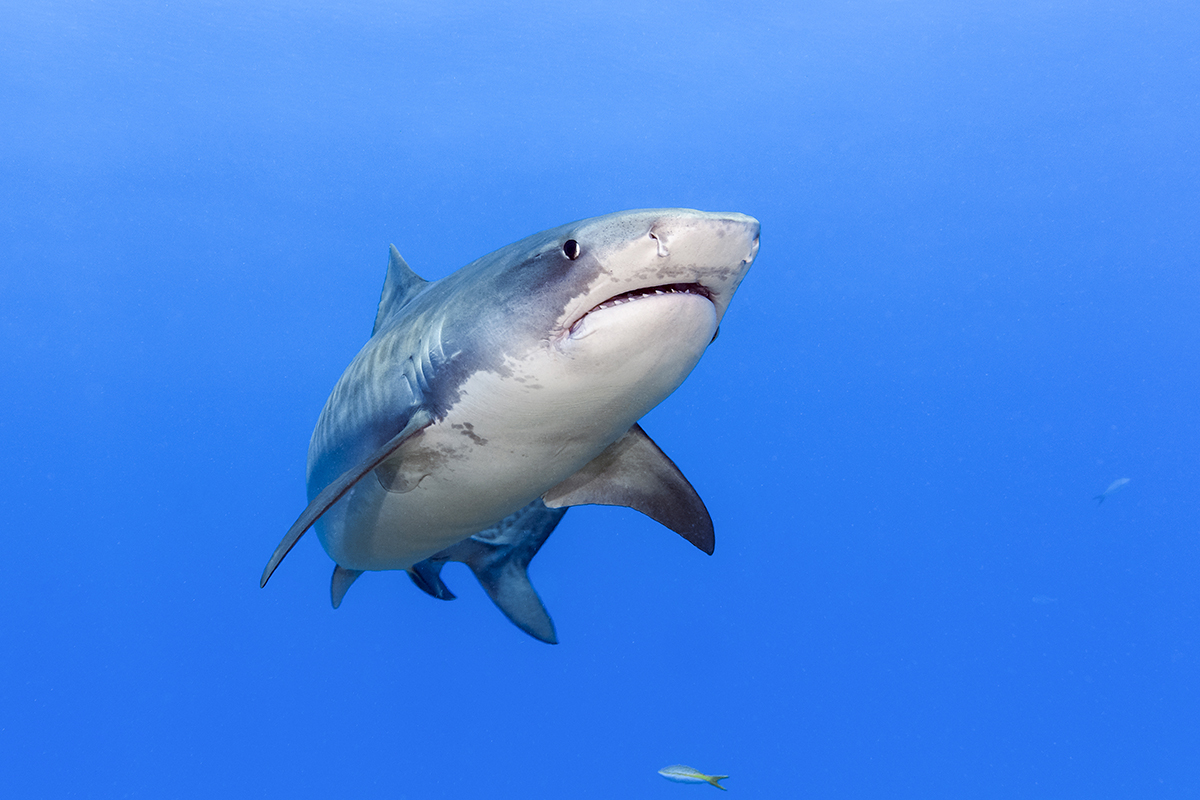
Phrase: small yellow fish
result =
(681, 774)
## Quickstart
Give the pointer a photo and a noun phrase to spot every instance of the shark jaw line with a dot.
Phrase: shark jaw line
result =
(695, 289)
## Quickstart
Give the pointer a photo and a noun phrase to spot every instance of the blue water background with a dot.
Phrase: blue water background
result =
(976, 305)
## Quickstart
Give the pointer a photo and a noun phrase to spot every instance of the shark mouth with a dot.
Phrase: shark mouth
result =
(651, 291)
(646, 291)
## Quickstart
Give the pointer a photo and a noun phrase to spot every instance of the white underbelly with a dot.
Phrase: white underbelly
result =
(456, 478)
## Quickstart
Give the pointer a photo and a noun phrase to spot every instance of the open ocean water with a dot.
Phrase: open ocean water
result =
(977, 305)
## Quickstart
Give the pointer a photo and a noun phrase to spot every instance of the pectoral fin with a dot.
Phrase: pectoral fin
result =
(334, 491)
(342, 578)
(633, 472)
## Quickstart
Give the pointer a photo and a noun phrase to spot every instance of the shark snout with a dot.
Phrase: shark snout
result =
(712, 239)
(690, 229)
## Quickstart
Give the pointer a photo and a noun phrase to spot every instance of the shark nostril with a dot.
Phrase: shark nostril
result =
(753, 251)
(663, 252)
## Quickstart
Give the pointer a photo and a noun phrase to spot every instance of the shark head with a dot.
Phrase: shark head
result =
(647, 294)
(626, 301)
(660, 255)
(654, 273)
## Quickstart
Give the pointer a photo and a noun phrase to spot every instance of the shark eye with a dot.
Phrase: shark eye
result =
(571, 249)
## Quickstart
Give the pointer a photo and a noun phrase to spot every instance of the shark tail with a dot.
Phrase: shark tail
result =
(507, 584)
(1099, 499)
(499, 556)
(713, 780)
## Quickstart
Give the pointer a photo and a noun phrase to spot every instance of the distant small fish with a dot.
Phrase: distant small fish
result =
(681, 774)
(1112, 487)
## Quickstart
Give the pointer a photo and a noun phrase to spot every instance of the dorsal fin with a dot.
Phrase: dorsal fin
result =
(400, 286)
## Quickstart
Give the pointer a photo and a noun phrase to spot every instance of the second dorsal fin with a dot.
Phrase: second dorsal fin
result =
(400, 286)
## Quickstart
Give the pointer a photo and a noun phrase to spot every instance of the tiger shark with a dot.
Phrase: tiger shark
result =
(487, 403)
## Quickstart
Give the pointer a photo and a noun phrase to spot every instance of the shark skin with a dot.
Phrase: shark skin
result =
(488, 402)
